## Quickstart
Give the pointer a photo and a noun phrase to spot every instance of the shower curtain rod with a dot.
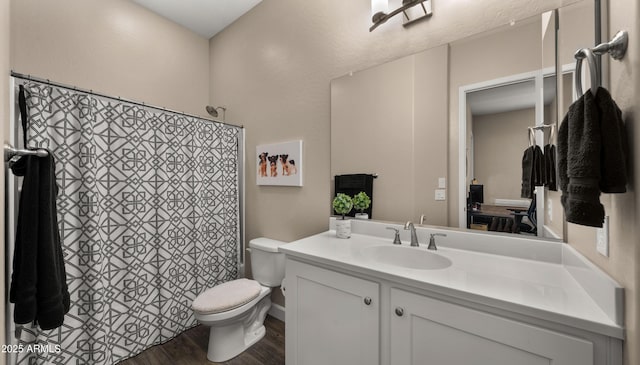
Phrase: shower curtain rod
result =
(91, 92)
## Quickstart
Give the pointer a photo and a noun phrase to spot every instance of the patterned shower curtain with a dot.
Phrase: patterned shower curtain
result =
(148, 210)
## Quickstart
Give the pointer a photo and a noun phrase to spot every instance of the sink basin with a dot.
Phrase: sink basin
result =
(408, 257)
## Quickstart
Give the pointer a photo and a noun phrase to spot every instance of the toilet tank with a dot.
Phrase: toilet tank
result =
(267, 264)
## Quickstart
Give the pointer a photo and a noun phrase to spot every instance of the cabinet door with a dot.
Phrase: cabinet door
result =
(331, 318)
(426, 331)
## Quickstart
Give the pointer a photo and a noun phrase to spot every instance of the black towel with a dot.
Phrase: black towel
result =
(591, 157)
(532, 171)
(613, 167)
(550, 167)
(38, 283)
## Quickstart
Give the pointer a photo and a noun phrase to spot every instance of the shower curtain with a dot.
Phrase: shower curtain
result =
(148, 211)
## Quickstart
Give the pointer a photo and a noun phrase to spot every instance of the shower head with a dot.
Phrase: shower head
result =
(213, 111)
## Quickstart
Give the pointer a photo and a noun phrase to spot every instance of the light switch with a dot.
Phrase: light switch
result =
(442, 183)
(441, 194)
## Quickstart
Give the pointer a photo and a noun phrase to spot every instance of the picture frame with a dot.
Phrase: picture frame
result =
(279, 164)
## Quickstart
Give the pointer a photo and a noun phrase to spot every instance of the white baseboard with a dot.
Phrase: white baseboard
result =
(277, 311)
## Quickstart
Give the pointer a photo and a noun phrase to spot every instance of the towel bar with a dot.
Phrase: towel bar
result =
(616, 48)
(10, 151)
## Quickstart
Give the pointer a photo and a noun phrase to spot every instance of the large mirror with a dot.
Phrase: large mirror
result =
(446, 130)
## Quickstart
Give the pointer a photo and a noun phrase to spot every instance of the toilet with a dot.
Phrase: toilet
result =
(235, 310)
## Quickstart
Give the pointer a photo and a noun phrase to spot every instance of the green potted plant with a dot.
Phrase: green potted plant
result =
(361, 202)
(342, 204)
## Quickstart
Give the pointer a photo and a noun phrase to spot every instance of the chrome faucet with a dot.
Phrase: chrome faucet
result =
(396, 239)
(422, 219)
(432, 241)
(414, 236)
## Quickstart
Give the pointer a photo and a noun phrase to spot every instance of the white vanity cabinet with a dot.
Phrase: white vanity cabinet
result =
(331, 318)
(429, 331)
(349, 318)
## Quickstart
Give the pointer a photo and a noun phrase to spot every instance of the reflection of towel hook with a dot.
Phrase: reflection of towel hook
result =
(616, 48)
(532, 137)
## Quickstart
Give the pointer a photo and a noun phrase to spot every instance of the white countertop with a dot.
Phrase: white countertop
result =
(536, 288)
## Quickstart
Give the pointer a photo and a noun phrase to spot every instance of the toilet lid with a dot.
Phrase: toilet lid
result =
(226, 296)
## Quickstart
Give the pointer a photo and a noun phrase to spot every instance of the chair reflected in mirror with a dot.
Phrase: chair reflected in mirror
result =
(525, 220)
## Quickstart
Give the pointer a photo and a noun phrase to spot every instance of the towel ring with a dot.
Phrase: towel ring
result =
(616, 48)
(580, 55)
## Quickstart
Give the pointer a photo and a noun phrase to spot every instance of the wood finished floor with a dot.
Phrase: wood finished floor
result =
(190, 348)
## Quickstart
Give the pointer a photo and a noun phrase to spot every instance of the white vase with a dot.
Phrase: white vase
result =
(343, 228)
(362, 216)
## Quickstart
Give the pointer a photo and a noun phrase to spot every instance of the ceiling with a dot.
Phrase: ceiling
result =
(204, 17)
(511, 97)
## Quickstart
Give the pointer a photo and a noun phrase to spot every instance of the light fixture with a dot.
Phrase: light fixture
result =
(413, 10)
(379, 8)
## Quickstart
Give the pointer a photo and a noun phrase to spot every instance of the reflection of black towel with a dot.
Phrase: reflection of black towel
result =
(38, 282)
(352, 184)
(591, 157)
(532, 171)
(550, 167)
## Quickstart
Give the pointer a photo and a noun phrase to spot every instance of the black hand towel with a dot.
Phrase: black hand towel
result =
(613, 173)
(532, 171)
(550, 167)
(38, 283)
(590, 157)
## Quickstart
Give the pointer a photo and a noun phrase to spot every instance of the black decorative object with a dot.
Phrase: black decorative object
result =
(353, 184)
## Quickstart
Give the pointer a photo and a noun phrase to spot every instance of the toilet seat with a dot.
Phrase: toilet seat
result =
(233, 314)
(226, 296)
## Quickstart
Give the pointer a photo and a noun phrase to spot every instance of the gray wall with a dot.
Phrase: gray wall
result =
(115, 47)
(499, 141)
(392, 120)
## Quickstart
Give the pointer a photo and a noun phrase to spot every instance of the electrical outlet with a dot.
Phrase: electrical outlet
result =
(602, 238)
(441, 194)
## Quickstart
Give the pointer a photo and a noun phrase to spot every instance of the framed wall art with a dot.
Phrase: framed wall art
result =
(279, 164)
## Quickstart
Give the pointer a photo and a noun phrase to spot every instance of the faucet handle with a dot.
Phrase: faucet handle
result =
(396, 239)
(432, 240)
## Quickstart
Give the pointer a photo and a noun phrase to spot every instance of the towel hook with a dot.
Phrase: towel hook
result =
(581, 54)
(10, 152)
(616, 47)
(532, 137)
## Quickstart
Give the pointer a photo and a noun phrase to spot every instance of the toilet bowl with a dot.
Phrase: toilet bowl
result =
(235, 310)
